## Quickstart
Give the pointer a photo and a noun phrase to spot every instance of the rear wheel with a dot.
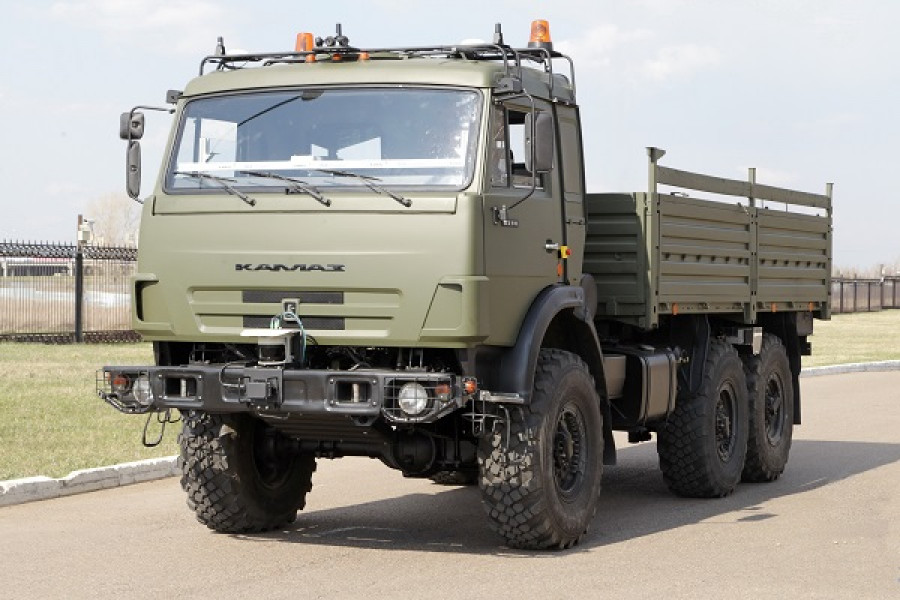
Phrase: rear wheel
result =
(771, 390)
(540, 472)
(703, 444)
(241, 475)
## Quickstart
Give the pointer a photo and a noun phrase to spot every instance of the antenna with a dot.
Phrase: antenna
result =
(498, 35)
(340, 39)
(220, 51)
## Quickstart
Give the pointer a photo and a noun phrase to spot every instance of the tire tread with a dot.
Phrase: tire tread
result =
(686, 443)
(213, 482)
(758, 468)
(513, 496)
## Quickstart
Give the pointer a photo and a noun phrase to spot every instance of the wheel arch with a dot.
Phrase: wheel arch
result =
(561, 317)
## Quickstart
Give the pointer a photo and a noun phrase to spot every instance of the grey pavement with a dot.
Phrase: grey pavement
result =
(829, 528)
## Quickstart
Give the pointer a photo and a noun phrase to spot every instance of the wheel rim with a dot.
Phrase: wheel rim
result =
(569, 451)
(775, 415)
(272, 459)
(726, 433)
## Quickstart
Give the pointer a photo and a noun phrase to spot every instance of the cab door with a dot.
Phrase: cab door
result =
(571, 171)
(523, 226)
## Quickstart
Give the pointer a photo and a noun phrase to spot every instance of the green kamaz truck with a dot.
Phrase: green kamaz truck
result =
(390, 253)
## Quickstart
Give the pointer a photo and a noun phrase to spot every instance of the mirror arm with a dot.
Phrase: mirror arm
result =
(141, 107)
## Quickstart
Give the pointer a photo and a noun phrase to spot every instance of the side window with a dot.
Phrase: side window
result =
(510, 148)
(571, 149)
(520, 175)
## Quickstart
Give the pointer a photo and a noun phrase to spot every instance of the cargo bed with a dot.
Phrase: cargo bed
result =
(654, 253)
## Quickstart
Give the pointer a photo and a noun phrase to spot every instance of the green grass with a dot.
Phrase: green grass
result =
(51, 420)
(860, 337)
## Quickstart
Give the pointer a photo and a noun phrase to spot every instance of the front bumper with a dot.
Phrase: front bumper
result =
(276, 391)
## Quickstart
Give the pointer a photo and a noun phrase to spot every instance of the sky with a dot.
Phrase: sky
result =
(805, 91)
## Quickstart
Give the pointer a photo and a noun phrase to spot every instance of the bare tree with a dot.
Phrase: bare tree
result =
(115, 219)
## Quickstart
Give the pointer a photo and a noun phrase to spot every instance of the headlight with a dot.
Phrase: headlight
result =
(141, 390)
(413, 399)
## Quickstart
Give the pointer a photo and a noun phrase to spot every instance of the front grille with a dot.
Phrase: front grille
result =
(317, 323)
(276, 296)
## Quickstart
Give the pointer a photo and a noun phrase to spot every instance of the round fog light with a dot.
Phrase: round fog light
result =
(413, 399)
(141, 390)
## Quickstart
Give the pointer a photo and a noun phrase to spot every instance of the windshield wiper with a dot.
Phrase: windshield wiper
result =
(296, 185)
(369, 183)
(222, 181)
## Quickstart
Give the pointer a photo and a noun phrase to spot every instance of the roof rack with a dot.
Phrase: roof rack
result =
(512, 58)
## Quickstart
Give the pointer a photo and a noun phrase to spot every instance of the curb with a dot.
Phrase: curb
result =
(29, 489)
(871, 367)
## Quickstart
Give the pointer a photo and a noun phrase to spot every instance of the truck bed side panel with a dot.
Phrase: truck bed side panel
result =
(794, 261)
(705, 254)
(659, 254)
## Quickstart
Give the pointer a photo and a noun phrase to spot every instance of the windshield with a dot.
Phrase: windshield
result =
(396, 137)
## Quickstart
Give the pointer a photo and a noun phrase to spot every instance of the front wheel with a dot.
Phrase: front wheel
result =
(241, 475)
(541, 470)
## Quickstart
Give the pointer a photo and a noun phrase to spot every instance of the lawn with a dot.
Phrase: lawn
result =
(52, 422)
(860, 337)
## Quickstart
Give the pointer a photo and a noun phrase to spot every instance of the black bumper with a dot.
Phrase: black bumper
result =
(274, 390)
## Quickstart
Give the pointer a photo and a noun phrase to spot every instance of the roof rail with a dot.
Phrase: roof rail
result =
(512, 58)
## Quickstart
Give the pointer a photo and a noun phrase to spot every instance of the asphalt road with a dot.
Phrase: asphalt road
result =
(829, 528)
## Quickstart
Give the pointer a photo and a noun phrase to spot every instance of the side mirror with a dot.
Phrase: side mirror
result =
(539, 142)
(131, 126)
(133, 169)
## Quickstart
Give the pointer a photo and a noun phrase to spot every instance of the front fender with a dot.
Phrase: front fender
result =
(516, 372)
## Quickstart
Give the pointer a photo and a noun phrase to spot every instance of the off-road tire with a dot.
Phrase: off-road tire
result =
(770, 388)
(541, 471)
(703, 444)
(239, 475)
(455, 477)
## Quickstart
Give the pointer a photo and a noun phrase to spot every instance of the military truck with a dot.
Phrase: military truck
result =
(390, 253)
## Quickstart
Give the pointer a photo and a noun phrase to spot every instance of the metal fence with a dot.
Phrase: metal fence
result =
(864, 295)
(62, 293)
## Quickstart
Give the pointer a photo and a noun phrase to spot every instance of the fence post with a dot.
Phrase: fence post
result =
(841, 289)
(79, 282)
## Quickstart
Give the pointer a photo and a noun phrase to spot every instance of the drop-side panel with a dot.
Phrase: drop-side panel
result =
(705, 255)
(793, 261)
